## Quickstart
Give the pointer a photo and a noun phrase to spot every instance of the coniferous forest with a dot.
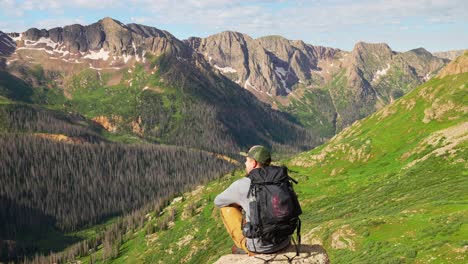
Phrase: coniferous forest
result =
(47, 183)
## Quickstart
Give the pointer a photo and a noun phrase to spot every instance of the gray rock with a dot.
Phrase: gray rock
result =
(95, 36)
(74, 38)
(32, 34)
(7, 47)
(309, 254)
(56, 34)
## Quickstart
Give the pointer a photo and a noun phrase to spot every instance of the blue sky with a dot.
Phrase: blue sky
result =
(436, 25)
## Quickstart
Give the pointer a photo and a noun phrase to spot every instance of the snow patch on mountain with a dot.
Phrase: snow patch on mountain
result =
(10, 61)
(127, 58)
(7, 41)
(381, 73)
(19, 38)
(248, 84)
(48, 42)
(225, 69)
(282, 73)
(427, 77)
(101, 54)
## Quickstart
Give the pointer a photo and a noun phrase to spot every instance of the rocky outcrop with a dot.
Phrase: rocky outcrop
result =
(359, 82)
(7, 45)
(376, 75)
(271, 65)
(238, 57)
(110, 35)
(309, 254)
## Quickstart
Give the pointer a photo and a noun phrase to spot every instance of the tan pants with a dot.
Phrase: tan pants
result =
(232, 218)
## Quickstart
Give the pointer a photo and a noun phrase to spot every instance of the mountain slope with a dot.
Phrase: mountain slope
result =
(293, 75)
(389, 189)
(392, 186)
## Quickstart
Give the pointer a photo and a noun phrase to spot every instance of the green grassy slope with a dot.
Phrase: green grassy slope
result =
(392, 187)
(389, 189)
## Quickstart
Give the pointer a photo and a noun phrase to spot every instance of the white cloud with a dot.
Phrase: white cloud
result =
(20, 7)
(300, 19)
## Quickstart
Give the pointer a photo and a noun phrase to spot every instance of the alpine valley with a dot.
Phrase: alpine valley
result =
(114, 140)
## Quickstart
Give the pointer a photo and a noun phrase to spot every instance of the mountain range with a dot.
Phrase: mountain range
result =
(324, 89)
(169, 89)
(133, 97)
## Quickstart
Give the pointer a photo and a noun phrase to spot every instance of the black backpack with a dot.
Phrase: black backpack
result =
(274, 207)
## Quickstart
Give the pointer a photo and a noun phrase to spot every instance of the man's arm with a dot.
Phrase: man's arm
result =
(229, 196)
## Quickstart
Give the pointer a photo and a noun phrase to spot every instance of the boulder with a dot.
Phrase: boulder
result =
(309, 254)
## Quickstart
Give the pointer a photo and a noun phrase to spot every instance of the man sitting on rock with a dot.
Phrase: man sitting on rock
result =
(242, 195)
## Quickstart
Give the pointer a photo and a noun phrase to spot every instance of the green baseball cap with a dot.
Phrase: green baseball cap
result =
(258, 153)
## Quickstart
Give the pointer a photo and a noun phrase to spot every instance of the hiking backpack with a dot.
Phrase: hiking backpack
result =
(274, 207)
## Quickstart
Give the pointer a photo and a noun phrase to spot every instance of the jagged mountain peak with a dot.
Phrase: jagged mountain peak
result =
(110, 21)
(365, 47)
(107, 43)
(230, 36)
(229, 33)
(109, 25)
(273, 38)
(421, 52)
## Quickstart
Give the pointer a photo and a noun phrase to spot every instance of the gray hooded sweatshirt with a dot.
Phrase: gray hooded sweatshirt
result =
(237, 194)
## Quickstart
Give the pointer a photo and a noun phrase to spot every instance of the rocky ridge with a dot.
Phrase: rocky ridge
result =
(278, 70)
(7, 45)
(271, 65)
(106, 43)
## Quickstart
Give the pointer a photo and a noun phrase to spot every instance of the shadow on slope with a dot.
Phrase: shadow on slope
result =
(25, 229)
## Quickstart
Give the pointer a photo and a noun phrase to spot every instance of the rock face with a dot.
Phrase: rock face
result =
(111, 35)
(310, 254)
(375, 75)
(271, 65)
(7, 45)
(357, 82)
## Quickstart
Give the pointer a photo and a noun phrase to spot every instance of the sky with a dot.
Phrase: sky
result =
(436, 25)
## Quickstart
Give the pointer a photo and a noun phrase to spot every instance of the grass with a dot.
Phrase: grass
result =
(316, 108)
(138, 94)
(189, 236)
(419, 212)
